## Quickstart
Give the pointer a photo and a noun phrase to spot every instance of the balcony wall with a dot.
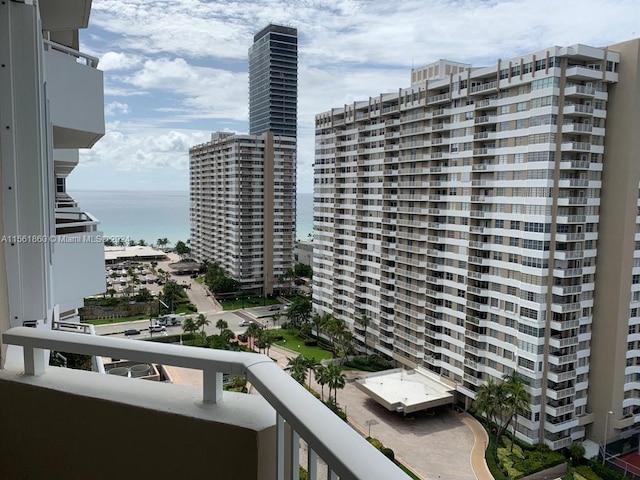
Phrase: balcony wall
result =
(75, 88)
(76, 425)
(71, 283)
(298, 415)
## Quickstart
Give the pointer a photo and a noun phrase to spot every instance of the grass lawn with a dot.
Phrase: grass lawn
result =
(248, 302)
(407, 471)
(292, 342)
(183, 309)
(107, 321)
(200, 280)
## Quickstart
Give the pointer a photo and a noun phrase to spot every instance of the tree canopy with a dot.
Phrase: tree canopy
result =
(182, 249)
(218, 281)
(299, 311)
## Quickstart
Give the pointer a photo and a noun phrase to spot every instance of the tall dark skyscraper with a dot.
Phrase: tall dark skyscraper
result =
(273, 81)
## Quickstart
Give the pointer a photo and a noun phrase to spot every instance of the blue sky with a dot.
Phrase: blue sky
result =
(175, 71)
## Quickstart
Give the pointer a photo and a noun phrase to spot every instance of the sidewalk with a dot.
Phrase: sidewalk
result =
(478, 462)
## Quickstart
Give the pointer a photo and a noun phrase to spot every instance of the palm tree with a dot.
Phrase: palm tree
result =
(133, 281)
(334, 328)
(227, 335)
(485, 403)
(518, 398)
(253, 330)
(316, 320)
(312, 363)
(222, 324)
(298, 369)
(202, 322)
(364, 321)
(321, 374)
(267, 337)
(275, 318)
(346, 340)
(189, 326)
(576, 452)
(337, 380)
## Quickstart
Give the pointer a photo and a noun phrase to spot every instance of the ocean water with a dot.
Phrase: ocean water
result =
(152, 215)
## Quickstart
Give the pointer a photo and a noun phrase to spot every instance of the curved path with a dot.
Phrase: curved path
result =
(478, 461)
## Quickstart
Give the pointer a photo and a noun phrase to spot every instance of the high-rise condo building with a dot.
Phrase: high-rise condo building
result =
(273, 81)
(243, 187)
(241, 215)
(485, 220)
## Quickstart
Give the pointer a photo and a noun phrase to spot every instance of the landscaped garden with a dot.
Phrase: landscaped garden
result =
(497, 407)
(292, 341)
(244, 301)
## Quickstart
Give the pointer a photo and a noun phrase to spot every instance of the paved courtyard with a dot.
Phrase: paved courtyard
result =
(435, 445)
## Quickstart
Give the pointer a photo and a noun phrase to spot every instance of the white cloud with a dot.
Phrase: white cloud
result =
(142, 148)
(114, 108)
(205, 92)
(110, 61)
(186, 60)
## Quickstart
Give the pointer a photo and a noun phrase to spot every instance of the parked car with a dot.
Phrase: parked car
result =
(245, 323)
(274, 307)
(132, 331)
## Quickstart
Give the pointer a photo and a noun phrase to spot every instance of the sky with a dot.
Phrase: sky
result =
(177, 70)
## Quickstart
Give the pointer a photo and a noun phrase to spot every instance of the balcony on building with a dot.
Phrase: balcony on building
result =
(77, 242)
(75, 89)
(86, 424)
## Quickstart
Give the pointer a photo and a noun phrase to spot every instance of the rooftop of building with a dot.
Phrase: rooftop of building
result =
(406, 391)
(274, 28)
(127, 253)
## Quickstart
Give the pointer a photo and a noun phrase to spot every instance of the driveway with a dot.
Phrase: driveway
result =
(433, 446)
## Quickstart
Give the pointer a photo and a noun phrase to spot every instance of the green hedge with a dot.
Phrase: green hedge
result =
(370, 363)
(587, 473)
(491, 456)
(603, 472)
(521, 459)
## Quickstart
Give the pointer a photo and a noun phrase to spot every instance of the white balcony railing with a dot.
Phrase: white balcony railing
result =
(83, 58)
(75, 90)
(75, 222)
(346, 453)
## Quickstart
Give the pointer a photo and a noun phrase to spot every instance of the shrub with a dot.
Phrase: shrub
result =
(375, 442)
(303, 474)
(603, 472)
(587, 473)
(311, 343)
(335, 408)
(387, 452)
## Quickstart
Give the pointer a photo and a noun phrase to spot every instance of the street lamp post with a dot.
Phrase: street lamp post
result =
(606, 431)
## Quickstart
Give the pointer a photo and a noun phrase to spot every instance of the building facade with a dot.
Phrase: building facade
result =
(273, 81)
(51, 105)
(463, 216)
(241, 210)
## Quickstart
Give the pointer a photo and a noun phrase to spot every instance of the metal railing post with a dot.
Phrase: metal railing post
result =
(211, 386)
(33, 361)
